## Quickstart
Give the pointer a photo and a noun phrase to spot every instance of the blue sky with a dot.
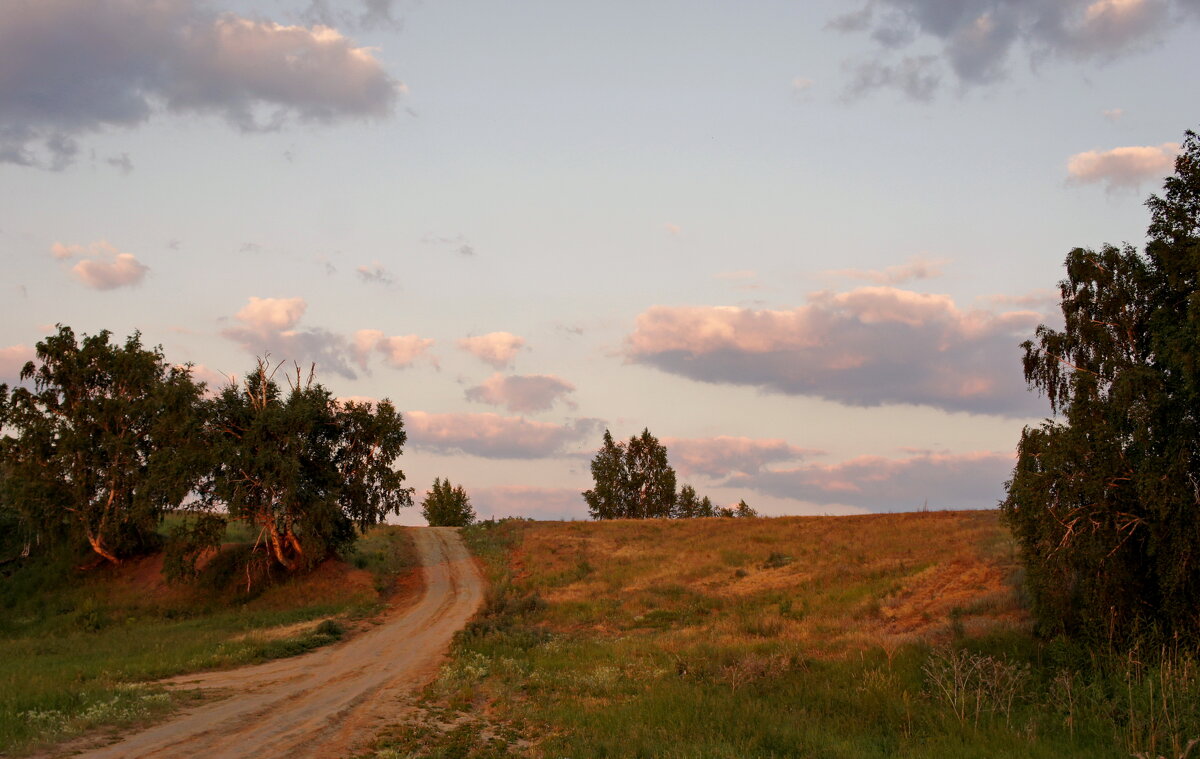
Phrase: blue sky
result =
(800, 242)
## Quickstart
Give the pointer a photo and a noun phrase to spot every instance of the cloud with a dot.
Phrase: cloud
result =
(375, 274)
(375, 14)
(270, 325)
(865, 347)
(914, 76)
(532, 502)
(944, 480)
(108, 268)
(1113, 114)
(12, 361)
(400, 351)
(673, 229)
(1124, 167)
(213, 380)
(916, 268)
(521, 392)
(272, 314)
(495, 348)
(73, 68)
(722, 456)
(121, 163)
(976, 39)
(493, 436)
(458, 243)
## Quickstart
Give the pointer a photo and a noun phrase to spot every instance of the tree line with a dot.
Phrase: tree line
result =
(109, 438)
(634, 480)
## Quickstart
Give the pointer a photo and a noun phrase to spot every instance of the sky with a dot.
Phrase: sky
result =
(800, 242)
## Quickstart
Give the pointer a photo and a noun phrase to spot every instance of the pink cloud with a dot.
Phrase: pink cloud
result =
(107, 269)
(13, 360)
(492, 436)
(916, 268)
(522, 392)
(865, 347)
(946, 480)
(272, 314)
(721, 456)
(1123, 167)
(399, 351)
(523, 501)
(495, 348)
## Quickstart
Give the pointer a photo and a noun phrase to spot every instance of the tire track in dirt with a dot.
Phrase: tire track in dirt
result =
(324, 703)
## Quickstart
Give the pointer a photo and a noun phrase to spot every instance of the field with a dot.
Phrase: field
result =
(887, 635)
(77, 648)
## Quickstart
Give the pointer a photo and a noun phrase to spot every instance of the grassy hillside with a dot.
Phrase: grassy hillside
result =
(877, 636)
(77, 648)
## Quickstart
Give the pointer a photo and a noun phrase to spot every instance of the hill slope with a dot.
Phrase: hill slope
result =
(874, 636)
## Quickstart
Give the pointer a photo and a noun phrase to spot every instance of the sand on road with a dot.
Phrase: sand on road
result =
(325, 703)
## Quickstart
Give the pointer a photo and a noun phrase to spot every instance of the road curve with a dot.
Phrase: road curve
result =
(324, 703)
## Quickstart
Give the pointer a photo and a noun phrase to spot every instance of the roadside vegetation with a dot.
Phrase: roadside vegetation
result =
(878, 636)
(79, 650)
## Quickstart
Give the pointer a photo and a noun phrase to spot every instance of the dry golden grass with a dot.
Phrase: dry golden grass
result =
(834, 584)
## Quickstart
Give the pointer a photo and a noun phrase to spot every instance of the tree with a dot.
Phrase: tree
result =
(632, 480)
(301, 468)
(687, 505)
(447, 506)
(743, 510)
(108, 439)
(1105, 500)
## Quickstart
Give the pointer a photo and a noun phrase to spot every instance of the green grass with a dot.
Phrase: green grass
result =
(707, 669)
(79, 651)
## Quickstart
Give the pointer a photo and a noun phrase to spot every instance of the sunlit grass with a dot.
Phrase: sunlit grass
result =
(881, 636)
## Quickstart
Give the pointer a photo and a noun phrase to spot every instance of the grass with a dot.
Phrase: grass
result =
(879, 636)
(79, 651)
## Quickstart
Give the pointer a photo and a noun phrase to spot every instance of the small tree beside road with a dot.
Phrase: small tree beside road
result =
(447, 505)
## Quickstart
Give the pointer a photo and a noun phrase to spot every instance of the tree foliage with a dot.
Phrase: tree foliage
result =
(301, 468)
(106, 441)
(633, 480)
(447, 505)
(1105, 499)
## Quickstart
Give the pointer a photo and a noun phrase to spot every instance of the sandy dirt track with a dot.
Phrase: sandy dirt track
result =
(324, 703)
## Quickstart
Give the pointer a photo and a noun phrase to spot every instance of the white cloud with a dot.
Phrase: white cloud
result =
(915, 268)
(495, 348)
(493, 436)
(864, 347)
(722, 456)
(75, 67)
(270, 325)
(400, 351)
(272, 314)
(521, 393)
(978, 39)
(1124, 167)
(940, 479)
(107, 269)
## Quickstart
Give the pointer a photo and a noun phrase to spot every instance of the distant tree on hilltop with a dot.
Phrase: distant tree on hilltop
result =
(632, 480)
(447, 506)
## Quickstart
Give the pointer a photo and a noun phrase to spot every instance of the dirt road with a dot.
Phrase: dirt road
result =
(324, 703)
